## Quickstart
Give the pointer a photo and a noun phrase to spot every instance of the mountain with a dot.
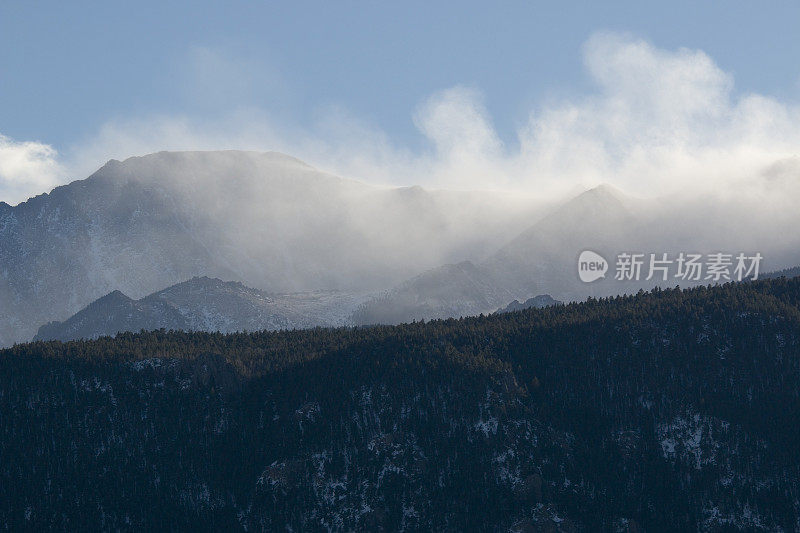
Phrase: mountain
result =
(274, 223)
(542, 300)
(673, 410)
(542, 258)
(113, 313)
(448, 291)
(267, 220)
(203, 304)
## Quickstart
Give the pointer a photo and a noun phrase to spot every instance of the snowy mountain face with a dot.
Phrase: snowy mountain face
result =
(265, 219)
(204, 304)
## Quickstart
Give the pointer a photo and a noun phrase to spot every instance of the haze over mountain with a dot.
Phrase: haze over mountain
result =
(543, 258)
(273, 223)
(265, 219)
(462, 289)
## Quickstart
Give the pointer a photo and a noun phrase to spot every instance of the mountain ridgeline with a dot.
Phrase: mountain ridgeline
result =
(204, 304)
(671, 410)
(543, 300)
(207, 304)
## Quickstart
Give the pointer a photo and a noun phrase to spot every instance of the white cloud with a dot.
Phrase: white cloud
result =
(659, 122)
(26, 169)
(468, 151)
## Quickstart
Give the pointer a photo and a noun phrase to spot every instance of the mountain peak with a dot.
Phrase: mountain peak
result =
(201, 283)
(604, 198)
(604, 191)
(114, 296)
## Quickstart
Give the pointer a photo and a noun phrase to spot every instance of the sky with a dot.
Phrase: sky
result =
(529, 95)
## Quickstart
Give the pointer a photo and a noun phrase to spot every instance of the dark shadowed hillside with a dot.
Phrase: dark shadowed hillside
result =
(666, 411)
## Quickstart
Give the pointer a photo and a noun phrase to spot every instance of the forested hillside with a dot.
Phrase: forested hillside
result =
(664, 411)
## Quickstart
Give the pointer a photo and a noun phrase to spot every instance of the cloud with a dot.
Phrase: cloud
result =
(468, 151)
(658, 122)
(26, 169)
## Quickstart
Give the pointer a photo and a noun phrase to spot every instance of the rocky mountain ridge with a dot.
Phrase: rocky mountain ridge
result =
(204, 304)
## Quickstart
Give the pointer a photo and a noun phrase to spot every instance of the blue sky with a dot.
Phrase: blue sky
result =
(69, 70)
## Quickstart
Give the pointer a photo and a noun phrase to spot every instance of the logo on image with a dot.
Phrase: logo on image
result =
(591, 266)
